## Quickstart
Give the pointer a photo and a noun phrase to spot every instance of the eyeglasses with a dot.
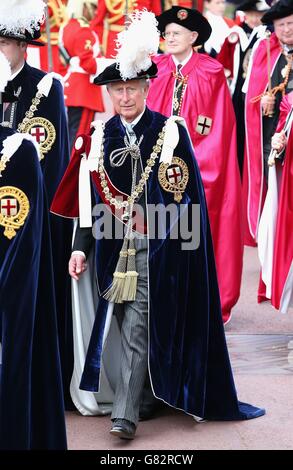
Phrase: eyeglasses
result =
(175, 34)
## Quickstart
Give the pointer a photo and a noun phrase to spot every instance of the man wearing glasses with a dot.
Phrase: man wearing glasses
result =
(193, 86)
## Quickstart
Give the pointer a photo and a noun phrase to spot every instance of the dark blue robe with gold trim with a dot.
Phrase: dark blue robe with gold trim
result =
(53, 166)
(189, 364)
(31, 395)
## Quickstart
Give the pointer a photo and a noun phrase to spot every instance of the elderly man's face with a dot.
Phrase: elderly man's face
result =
(128, 98)
(284, 30)
(14, 52)
(179, 40)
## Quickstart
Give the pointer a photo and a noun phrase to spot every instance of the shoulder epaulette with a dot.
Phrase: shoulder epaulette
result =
(83, 22)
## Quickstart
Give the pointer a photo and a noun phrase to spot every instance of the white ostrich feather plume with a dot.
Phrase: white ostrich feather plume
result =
(18, 15)
(261, 5)
(137, 43)
(5, 72)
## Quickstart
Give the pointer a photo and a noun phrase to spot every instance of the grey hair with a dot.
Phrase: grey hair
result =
(144, 82)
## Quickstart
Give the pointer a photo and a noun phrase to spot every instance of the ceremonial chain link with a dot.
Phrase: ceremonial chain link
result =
(143, 179)
(3, 161)
(285, 72)
(30, 113)
(12, 112)
(183, 82)
(21, 126)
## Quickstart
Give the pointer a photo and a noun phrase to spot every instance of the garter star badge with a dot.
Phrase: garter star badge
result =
(14, 208)
(173, 177)
(43, 131)
(203, 125)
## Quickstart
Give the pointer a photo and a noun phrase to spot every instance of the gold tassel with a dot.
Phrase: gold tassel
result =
(130, 284)
(114, 293)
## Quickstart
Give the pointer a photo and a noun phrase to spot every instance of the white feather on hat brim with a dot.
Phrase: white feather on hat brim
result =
(20, 15)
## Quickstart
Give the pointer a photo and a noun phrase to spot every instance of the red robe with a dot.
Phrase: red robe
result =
(283, 248)
(258, 83)
(207, 95)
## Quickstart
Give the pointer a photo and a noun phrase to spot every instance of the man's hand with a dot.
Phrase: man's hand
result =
(279, 141)
(268, 104)
(77, 265)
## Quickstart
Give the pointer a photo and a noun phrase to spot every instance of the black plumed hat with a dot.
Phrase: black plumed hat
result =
(29, 38)
(112, 74)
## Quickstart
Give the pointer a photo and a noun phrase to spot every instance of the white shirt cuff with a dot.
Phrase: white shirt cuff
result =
(78, 252)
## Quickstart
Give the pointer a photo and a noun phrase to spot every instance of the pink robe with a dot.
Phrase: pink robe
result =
(207, 95)
(258, 83)
(279, 261)
(282, 280)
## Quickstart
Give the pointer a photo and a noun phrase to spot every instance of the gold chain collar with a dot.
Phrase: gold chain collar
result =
(3, 162)
(30, 113)
(21, 127)
(143, 179)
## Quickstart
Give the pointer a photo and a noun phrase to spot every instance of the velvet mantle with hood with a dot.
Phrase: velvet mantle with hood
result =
(31, 394)
(188, 359)
(53, 167)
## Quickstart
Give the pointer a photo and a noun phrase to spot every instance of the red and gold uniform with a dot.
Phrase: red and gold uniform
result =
(198, 4)
(110, 18)
(39, 56)
(82, 46)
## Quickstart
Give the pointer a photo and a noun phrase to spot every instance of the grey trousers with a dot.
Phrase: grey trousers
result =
(134, 344)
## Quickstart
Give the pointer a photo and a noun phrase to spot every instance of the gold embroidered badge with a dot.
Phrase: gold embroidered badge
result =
(43, 131)
(203, 125)
(182, 14)
(174, 177)
(14, 208)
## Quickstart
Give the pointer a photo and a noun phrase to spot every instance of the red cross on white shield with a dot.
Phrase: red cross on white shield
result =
(9, 207)
(174, 174)
(38, 133)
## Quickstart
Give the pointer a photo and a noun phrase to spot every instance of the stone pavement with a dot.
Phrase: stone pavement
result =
(260, 341)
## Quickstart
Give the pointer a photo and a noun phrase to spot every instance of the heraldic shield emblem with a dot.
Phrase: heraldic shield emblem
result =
(203, 125)
(43, 131)
(173, 177)
(14, 208)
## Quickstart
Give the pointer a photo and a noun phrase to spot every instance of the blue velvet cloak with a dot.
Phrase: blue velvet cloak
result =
(53, 166)
(31, 395)
(189, 363)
